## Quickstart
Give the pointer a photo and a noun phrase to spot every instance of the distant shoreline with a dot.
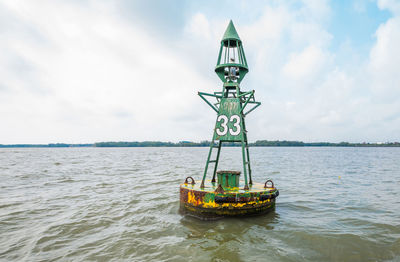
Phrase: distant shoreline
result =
(258, 143)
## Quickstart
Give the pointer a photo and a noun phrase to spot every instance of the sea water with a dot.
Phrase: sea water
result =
(121, 204)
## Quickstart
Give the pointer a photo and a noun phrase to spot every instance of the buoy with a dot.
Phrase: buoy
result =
(226, 194)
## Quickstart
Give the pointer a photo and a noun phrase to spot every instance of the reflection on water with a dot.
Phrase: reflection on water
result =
(335, 204)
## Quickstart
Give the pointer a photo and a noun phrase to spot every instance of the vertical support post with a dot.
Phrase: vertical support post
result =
(246, 185)
(219, 55)
(229, 51)
(208, 161)
(216, 161)
(225, 53)
(243, 142)
(247, 153)
(238, 52)
(244, 57)
(248, 163)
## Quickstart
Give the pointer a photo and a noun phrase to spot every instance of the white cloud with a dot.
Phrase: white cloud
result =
(391, 5)
(199, 27)
(307, 63)
(85, 74)
(385, 61)
(315, 98)
(94, 68)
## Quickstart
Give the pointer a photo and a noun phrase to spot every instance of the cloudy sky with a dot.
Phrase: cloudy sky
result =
(88, 71)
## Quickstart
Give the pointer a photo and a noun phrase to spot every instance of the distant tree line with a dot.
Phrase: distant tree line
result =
(341, 144)
(152, 144)
(162, 144)
(259, 143)
(46, 145)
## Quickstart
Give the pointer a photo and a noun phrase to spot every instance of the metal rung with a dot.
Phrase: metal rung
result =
(212, 161)
(215, 146)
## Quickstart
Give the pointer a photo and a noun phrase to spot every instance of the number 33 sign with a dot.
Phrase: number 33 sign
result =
(223, 129)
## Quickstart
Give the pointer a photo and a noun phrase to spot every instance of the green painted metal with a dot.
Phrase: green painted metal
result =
(230, 33)
(231, 64)
(201, 94)
(216, 160)
(228, 127)
(231, 103)
(228, 179)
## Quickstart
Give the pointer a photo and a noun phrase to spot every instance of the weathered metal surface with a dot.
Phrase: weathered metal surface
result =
(229, 121)
(226, 196)
(206, 203)
(228, 179)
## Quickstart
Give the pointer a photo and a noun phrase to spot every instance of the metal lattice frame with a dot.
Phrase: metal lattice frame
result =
(245, 99)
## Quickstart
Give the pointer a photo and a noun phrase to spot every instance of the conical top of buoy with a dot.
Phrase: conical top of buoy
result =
(230, 33)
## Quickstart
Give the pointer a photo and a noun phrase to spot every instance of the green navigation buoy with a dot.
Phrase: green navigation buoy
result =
(225, 194)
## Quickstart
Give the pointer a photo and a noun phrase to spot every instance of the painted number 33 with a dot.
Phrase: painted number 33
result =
(223, 130)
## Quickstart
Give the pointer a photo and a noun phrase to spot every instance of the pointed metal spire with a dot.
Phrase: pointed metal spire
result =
(230, 33)
(231, 49)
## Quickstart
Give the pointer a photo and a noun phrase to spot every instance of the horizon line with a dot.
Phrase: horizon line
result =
(204, 143)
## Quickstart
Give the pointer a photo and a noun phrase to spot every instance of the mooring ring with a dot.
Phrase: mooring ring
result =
(186, 180)
(266, 186)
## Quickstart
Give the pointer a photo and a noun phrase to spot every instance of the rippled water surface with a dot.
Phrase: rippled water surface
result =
(80, 204)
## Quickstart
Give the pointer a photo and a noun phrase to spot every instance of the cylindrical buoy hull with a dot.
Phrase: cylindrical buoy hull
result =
(210, 203)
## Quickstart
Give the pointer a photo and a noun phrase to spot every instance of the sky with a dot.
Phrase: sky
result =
(91, 71)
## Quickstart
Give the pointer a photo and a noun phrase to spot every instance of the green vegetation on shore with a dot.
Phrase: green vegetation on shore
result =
(341, 144)
(260, 143)
(46, 145)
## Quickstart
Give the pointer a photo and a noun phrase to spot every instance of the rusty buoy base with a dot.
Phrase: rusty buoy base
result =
(213, 202)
